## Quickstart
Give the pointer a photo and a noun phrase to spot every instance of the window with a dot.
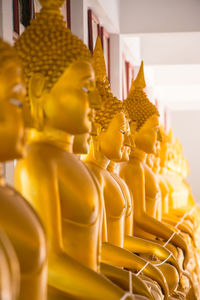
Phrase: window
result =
(127, 76)
(67, 12)
(25, 10)
(22, 14)
(93, 29)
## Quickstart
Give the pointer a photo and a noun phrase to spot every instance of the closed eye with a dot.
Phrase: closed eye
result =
(85, 89)
(15, 102)
(122, 131)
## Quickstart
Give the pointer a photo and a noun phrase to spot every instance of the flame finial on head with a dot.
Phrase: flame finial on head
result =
(99, 63)
(111, 106)
(139, 108)
(139, 82)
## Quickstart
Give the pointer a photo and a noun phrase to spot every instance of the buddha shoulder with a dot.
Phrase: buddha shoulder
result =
(70, 180)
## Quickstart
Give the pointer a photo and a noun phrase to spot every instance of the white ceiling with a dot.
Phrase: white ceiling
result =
(166, 35)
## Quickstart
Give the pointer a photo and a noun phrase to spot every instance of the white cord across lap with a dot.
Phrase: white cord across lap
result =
(139, 272)
(130, 283)
(164, 261)
(167, 242)
(126, 295)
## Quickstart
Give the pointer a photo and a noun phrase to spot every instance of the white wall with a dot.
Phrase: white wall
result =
(171, 48)
(186, 126)
(6, 18)
(6, 33)
(106, 11)
(142, 16)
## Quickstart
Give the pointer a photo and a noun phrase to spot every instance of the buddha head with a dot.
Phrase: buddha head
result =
(110, 119)
(60, 81)
(12, 92)
(163, 147)
(111, 124)
(143, 113)
(170, 150)
(112, 137)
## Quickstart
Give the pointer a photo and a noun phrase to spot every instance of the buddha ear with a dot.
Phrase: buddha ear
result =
(37, 85)
(37, 90)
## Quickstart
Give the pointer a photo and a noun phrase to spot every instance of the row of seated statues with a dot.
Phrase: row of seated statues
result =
(101, 208)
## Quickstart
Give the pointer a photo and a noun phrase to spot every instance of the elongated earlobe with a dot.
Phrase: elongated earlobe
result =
(37, 85)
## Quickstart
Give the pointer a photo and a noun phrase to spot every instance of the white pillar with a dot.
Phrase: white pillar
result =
(6, 20)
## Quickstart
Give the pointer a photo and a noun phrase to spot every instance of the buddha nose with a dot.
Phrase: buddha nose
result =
(128, 141)
(95, 100)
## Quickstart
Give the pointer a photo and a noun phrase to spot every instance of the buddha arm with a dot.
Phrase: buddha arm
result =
(182, 211)
(129, 224)
(139, 245)
(38, 183)
(121, 278)
(136, 183)
(104, 237)
(173, 220)
(120, 257)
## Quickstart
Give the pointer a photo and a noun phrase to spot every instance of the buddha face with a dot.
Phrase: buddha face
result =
(12, 133)
(67, 106)
(112, 139)
(145, 138)
(81, 143)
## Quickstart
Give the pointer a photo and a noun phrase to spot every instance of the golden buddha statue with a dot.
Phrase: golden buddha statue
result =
(60, 86)
(182, 200)
(165, 187)
(17, 219)
(115, 274)
(138, 176)
(171, 174)
(109, 145)
(144, 248)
